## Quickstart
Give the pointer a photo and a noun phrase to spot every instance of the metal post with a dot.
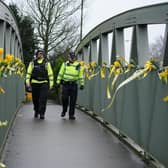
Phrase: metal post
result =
(81, 20)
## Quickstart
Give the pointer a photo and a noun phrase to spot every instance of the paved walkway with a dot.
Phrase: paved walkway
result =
(60, 143)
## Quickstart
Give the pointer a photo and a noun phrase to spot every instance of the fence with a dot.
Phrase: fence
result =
(13, 84)
(138, 111)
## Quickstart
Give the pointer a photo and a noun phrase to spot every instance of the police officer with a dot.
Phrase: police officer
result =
(70, 75)
(40, 77)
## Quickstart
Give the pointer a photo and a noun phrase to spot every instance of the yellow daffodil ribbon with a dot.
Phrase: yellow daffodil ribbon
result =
(108, 92)
(90, 70)
(147, 68)
(115, 70)
(164, 75)
(102, 72)
(3, 123)
(9, 58)
(2, 165)
(165, 99)
(1, 53)
(2, 91)
(93, 75)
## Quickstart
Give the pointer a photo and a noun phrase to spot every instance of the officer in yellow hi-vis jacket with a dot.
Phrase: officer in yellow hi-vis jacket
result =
(40, 78)
(70, 75)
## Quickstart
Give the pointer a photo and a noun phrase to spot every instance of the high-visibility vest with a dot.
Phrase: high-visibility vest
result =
(71, 72)
(32, 77)
(39, 71)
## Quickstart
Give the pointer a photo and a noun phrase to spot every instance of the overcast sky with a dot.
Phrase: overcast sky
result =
(96, 11)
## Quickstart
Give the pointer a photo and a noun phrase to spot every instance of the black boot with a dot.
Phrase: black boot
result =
(42, 117)
(72, 118)
(36, 114)
(63, 114)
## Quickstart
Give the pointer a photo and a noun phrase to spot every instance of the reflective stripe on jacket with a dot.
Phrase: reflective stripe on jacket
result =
(49, 72)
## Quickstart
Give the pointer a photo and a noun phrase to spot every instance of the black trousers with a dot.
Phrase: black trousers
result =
(39, 96)
(69, 97)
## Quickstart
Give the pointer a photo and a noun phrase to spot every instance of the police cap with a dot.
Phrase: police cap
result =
(39, 51)
(72, 55)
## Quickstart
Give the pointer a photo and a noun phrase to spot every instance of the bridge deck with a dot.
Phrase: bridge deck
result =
(57, 142)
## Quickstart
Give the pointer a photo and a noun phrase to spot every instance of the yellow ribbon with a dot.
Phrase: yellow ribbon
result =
(1, 52)
(3, 123)
(2, 91)
(164, 75)
(90, 70)
(102, 72)
(116, 70)
(165, 99)
(149, 66)
(9, 58)
(10, 65)
(2, 165)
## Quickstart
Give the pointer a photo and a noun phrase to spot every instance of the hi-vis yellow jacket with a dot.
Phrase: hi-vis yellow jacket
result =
(49, 71)
(72, 72)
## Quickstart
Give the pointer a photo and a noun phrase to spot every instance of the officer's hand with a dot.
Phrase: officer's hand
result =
(28, 88)
(28, 85)
(81, 87)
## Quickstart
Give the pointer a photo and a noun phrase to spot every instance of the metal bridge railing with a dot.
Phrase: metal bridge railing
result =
(13, 85)
(138, 111)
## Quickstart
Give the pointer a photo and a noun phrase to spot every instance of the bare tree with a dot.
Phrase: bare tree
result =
(56, 27)
(157, 47)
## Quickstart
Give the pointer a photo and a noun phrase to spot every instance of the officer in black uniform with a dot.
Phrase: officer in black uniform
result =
(40, 78)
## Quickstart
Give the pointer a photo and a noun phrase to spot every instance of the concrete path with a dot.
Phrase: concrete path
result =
(61, 143)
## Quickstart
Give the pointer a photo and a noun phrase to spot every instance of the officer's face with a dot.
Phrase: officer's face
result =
(40, 55)
(72, 59)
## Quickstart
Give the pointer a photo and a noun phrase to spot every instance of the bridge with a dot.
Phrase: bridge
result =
(120, 129)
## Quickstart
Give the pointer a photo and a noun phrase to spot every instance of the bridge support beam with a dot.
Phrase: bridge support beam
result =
(85, 53)
(13, 43)
(103, 49)
(117, 44)
(8, 40)
(93, 50)
(140, 45)
(2, 33)
(165, 47)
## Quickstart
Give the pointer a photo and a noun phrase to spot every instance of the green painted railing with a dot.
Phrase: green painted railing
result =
(10, 43)
(138, 111)
(10, 101)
